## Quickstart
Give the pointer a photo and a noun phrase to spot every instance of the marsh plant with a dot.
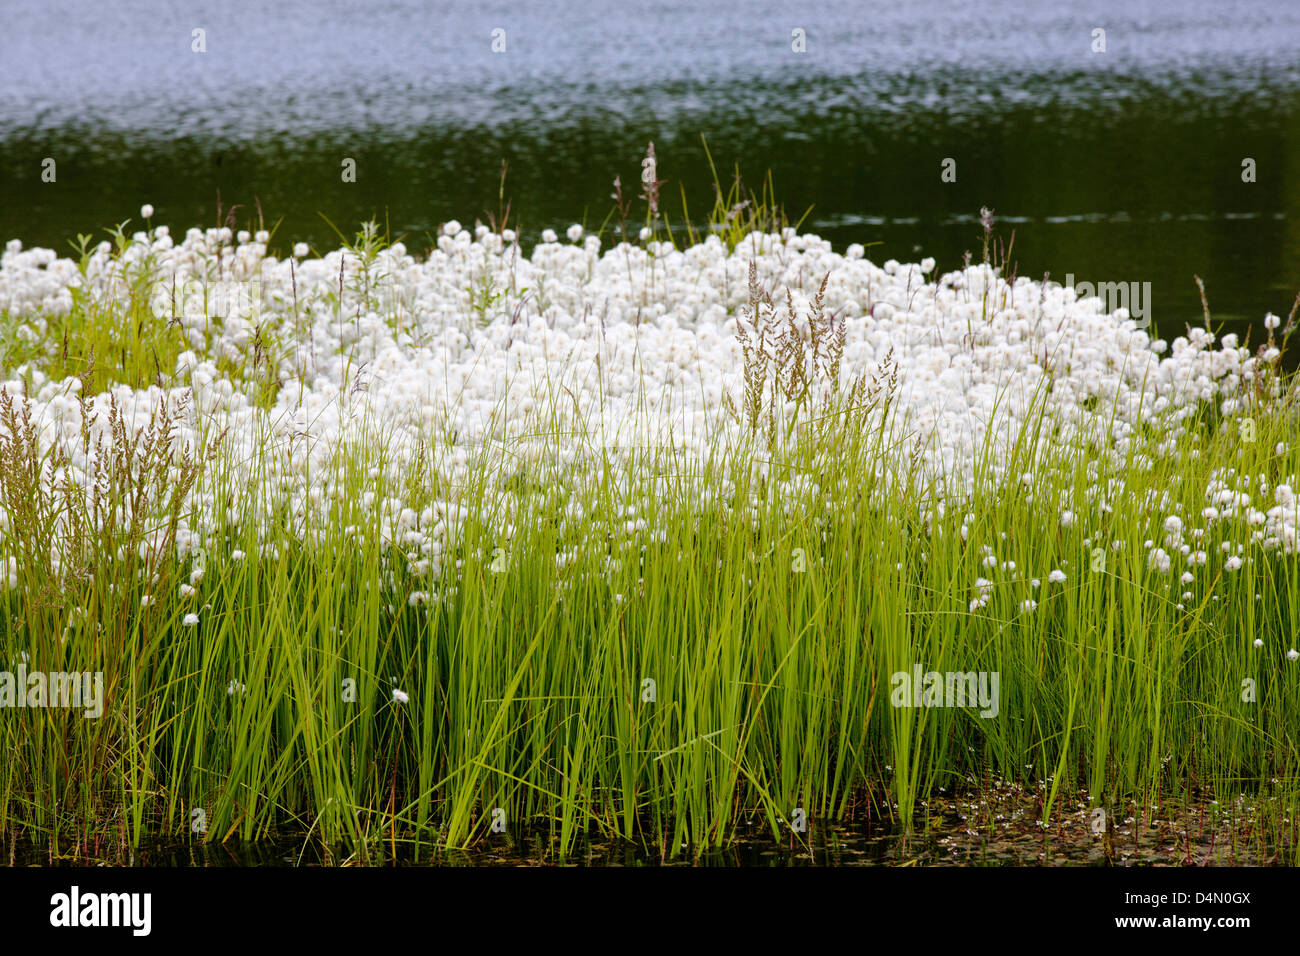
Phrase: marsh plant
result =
(641, 567)
(86, 560)
(791, 363)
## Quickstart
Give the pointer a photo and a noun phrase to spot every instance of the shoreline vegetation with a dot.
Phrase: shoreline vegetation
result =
(630, 541)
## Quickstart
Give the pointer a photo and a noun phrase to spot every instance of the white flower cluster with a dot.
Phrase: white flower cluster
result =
(632, 348)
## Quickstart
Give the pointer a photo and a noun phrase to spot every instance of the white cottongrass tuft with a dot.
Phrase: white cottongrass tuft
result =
(686, 328)
(190, 620)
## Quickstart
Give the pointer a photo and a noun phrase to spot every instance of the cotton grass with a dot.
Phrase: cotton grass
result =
(520, 484)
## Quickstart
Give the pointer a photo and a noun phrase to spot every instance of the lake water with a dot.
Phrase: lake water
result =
(1119, 166)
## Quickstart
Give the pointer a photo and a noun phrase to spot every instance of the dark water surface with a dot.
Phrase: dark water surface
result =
(999, 827)
(1119, 166)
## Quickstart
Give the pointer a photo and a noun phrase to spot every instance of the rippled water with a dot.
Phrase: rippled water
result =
(1119, 166)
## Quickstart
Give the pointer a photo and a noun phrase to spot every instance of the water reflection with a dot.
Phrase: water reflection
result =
(1003, 825)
